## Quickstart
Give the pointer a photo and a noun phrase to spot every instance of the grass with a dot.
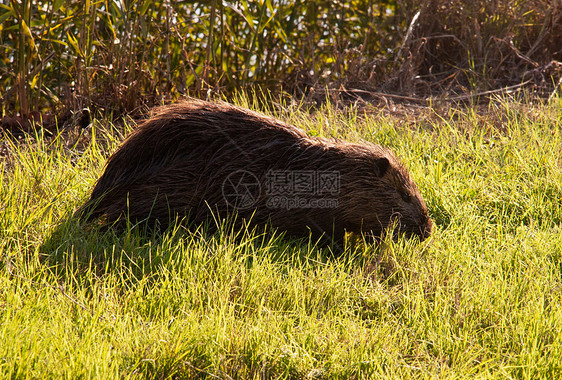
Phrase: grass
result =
(481, 298)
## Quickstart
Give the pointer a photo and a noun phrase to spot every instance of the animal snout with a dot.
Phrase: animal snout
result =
(426, 228)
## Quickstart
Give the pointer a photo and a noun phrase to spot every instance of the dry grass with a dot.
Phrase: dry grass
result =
(114, 57)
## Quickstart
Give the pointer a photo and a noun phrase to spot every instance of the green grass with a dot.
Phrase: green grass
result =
(481, 298)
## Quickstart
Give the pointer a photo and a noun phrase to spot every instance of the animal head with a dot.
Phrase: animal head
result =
(378, 193)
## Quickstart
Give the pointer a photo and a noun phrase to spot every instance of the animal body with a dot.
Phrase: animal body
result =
(202, 160)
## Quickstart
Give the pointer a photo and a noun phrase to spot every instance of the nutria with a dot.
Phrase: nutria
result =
(197, 160)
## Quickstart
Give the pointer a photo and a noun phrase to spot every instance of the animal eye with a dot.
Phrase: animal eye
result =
(406, 197)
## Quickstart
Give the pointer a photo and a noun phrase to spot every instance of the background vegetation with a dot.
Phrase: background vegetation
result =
(480, 299)
(115, 56)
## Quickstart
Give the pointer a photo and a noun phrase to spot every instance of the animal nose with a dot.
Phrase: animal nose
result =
(426, 229)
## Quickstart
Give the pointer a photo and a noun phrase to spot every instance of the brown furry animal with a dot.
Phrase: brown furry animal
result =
(197, 160)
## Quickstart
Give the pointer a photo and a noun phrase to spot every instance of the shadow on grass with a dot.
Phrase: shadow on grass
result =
(79, 246)
(158, 276)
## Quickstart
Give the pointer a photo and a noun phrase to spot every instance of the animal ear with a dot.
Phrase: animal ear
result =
(381, 166)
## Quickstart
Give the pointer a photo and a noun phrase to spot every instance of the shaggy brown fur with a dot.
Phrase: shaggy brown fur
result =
(176, 164)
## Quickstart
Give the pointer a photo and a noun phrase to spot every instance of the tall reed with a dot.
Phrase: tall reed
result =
(116, 56)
